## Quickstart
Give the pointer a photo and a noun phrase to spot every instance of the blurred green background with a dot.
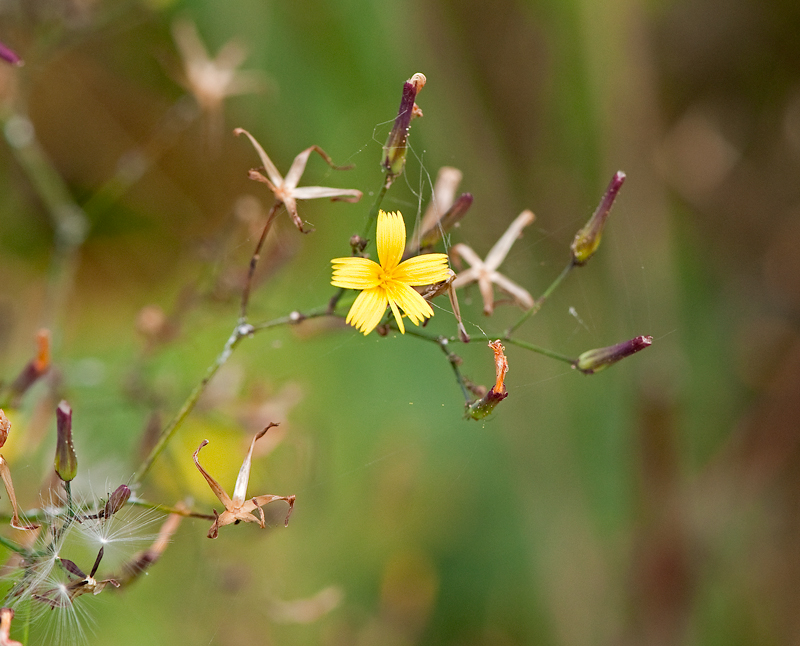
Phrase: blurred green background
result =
(654, 503)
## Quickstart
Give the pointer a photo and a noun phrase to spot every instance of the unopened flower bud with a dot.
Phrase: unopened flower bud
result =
(587, 240)
(394, 152)
(35, 368)
(116, 501)
(66, 462)
(486, 404)
(596, 360)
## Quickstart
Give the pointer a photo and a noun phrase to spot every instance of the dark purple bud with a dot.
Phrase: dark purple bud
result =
(394, 152)
(35, 368)
(596, 360)
(587, 240)
(66, 462)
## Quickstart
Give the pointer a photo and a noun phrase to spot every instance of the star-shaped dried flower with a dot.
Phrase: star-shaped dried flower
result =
(211, 80)
(390, 282)
(285, 188)
(484, 272)
(238, 509)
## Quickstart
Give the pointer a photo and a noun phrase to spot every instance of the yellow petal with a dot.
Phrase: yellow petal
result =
(426, 269)
(391, 239)
(367, 310)
(355, 273)
(397, 316)
(416, 308)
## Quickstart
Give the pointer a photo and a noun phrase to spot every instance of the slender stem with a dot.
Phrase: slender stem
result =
(164, 509)
(68, 488)
(254, 262)
(69, 221)
(455, 361)
(540, 350)
(11, 545)
(537, 305)
(292, 319)
(376, 205)
(239, 332)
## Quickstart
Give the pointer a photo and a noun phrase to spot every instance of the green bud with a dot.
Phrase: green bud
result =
(66, 462)
(596, 360)
(587, 240)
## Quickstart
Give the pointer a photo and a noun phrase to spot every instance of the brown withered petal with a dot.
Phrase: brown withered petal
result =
(5, 476)
(5, 428)
(483, 407)
(6, 615)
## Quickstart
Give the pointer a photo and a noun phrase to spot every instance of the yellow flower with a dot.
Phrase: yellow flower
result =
(391, 281)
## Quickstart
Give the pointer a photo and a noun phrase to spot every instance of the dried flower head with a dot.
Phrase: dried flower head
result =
(497, 393)
(238, 509)
(389, 282)
(484, 272)
(285, 188)
(211, 80)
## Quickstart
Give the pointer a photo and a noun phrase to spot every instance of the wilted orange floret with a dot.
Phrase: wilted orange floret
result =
(500, 364)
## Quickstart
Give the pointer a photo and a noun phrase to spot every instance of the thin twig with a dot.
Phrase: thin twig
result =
(376, 206)
(537, 305)
(540, 350)
(254, 262)
(164, 509)
(239, 332)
